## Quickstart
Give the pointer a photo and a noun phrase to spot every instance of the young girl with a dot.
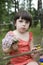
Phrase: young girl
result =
(22, 22)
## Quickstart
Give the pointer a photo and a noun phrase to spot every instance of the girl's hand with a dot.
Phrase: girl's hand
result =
(15, 47)
(35, 54)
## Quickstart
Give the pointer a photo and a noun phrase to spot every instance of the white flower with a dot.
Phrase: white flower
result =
(8, 40)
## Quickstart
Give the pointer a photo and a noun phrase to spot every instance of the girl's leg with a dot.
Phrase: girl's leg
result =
(33, 63)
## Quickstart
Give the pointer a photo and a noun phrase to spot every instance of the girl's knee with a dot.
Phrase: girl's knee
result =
(32, 63)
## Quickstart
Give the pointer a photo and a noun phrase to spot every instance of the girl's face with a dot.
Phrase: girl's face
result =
(22, 25)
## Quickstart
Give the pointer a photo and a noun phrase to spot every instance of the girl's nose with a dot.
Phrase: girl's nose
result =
(24, 23)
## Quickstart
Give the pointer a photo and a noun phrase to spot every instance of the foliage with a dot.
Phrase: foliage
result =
(7, 15)
(5, 9)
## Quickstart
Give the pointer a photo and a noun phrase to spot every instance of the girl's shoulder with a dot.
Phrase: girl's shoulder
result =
(14, 32)
(10, 32)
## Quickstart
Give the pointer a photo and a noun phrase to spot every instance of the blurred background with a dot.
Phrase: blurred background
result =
(8, 8)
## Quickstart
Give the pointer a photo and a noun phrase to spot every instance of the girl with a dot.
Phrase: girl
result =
(22, 22)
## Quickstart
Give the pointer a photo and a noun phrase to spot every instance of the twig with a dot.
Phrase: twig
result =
(17, 55)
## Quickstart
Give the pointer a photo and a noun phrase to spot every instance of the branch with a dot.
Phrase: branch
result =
(17, 55)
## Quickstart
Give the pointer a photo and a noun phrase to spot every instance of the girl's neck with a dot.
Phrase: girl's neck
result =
(24, 33)
(23, 36)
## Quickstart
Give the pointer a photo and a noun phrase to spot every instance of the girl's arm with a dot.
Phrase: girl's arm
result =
(35, 54)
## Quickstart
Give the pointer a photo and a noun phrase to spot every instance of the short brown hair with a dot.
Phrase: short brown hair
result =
(24, 15)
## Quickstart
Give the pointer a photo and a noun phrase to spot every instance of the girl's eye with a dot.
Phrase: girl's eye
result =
(20, 21)
(27, 21)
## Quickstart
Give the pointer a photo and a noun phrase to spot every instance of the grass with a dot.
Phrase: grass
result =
(36, 34)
